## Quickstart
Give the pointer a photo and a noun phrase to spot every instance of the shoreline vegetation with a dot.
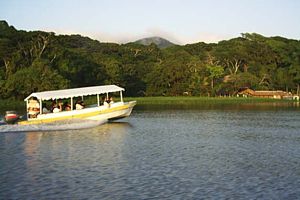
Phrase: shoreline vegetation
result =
(188, 102)
(6, 105)
(183, 100)
(193, 101)
(167, 102)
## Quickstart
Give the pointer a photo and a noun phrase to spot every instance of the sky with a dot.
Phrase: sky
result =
(180, 21)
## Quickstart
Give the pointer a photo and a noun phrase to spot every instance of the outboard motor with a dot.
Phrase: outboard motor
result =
(11, 117)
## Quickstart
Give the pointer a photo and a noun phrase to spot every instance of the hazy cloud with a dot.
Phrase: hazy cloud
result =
(206, 37)
(125, 37)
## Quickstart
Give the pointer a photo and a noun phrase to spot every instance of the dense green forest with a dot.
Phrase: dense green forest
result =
(37, 61)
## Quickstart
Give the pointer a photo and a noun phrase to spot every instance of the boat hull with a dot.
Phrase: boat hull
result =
(115, 111)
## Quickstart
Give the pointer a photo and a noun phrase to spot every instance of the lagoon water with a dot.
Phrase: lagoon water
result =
(215, 152)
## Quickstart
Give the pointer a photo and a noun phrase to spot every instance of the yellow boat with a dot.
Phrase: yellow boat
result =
(108, 111)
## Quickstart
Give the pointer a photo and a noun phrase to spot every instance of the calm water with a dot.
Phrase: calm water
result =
(231, 152)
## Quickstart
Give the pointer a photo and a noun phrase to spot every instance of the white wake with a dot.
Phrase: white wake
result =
(73, 124)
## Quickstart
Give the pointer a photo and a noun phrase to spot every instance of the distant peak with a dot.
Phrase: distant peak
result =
(158, 41)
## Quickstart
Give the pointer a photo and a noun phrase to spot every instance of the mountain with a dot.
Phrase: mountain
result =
(160, 42)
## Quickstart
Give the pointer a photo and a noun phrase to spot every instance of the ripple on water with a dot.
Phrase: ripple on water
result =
(170, 154)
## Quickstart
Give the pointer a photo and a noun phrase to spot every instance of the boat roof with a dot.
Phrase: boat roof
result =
(75, 92)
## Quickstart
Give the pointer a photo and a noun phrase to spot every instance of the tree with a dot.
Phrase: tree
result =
(232, 54)
(36, 78)
(295, 73)
(214, 73)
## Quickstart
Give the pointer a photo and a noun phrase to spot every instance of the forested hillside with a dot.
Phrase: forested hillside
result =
(38, 61)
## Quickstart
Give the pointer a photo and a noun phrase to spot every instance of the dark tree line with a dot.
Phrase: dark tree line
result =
(38, 61)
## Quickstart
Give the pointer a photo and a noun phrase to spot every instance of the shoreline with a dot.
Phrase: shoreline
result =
(192, 100)
(165, 101)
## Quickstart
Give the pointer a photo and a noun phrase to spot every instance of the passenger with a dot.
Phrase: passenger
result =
(111, 101)
(106, 103)
(79, 105)
(57, 107)
(67, 106)
(33, 108)
(53, 105)
(45, 109)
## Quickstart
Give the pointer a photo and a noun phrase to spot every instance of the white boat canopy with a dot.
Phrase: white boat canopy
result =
(75, 92)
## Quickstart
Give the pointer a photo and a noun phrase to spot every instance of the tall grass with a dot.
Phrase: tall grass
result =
(155, 101)
(197, 100)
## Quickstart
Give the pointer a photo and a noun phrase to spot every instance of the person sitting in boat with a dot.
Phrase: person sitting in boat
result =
(79, 105)
(33, 108)
(105, 102)
(45, 109)
(57, 107)
(111, 101)
(67, 106)
(53, 105)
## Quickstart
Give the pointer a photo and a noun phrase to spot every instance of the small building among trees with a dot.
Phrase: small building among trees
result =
(277, 94)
